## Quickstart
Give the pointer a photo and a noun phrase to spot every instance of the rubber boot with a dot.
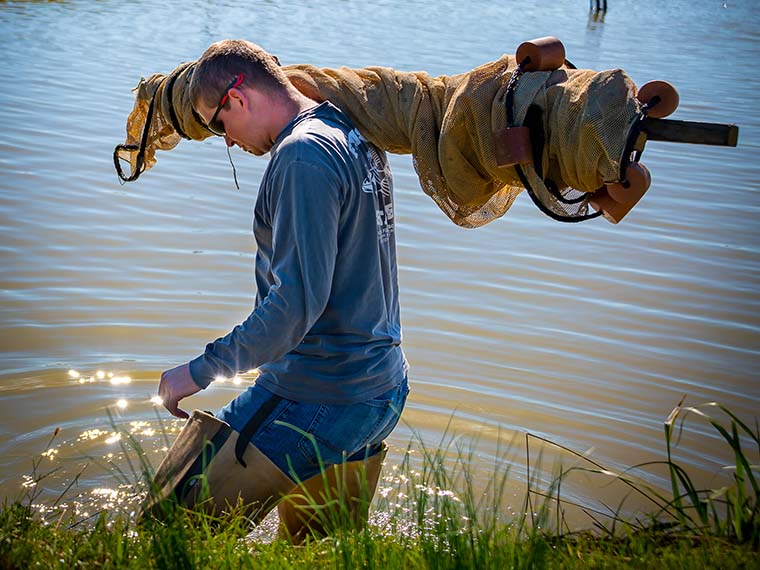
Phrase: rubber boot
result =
(201, 471)
(337, 498)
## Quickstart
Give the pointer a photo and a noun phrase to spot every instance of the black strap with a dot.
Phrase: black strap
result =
(140, 162)
(250, 429)
(172, 113)
(209, 450)
(170, 96)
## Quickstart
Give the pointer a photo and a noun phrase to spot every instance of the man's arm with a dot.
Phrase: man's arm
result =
(305, 207)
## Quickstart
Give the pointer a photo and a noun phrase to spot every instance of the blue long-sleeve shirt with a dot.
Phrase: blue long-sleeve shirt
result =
(326, 325)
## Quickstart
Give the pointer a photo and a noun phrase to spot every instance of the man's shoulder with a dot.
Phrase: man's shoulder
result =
(320, 137)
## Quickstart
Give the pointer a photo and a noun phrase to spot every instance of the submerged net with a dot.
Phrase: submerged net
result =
(447, 124)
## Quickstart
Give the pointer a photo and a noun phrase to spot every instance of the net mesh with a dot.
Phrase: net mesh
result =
(447, 124)
(172, 114)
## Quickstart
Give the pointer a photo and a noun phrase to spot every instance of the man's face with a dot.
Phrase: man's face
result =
(239, 119)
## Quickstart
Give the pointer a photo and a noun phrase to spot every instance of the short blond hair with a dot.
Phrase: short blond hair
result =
(223, 60)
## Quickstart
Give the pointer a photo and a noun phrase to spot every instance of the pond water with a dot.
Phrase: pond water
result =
(586, 334)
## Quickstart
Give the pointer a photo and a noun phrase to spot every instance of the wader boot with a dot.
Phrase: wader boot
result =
(211, 468)
(337, 498)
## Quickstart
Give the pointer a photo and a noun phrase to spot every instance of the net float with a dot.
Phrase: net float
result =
(660, 97)
(541, 54)
(512, 146)
(637, 182)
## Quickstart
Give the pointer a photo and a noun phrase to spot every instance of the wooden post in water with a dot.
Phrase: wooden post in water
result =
(601, 5)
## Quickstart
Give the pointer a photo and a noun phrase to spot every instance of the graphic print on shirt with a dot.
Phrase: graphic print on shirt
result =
(378, 182)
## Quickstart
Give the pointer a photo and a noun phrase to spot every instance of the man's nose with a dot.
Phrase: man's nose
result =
(228, 140)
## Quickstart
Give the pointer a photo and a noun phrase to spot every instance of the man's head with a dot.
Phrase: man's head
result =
(223, 60)
(240, 85)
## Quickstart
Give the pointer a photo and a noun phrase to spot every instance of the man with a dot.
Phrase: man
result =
(325, 331)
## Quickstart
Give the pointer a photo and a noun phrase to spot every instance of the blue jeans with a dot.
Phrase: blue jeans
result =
(296, 436)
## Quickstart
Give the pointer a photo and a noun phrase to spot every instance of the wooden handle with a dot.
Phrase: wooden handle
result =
(668, 130)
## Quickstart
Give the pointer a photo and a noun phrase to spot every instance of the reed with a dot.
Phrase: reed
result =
(431, 513)
(731, 511)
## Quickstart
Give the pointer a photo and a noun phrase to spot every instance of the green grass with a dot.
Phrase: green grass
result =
(436, 516)
(192, 541)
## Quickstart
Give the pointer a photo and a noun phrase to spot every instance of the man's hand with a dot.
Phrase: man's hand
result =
(176, 384)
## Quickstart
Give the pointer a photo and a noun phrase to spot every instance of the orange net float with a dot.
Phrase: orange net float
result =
(612, 211)
(541, 54)
(512, 146)
(616, 200)
(660, 97)
(638, 179)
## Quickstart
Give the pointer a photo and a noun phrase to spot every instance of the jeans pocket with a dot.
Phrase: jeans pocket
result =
(308, 444)
(392, 416)
(339, 430)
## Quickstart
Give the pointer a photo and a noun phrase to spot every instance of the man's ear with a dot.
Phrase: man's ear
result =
(238, 97)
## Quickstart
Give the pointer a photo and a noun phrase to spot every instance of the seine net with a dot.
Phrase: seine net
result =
(581, 119)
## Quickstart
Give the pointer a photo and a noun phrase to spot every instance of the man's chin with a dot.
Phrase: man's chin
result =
(255, 151)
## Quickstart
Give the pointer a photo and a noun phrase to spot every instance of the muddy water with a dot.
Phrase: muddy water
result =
(585, 334)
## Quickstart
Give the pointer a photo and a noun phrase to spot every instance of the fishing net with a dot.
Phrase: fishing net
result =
(579, 121)
(161, 117)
